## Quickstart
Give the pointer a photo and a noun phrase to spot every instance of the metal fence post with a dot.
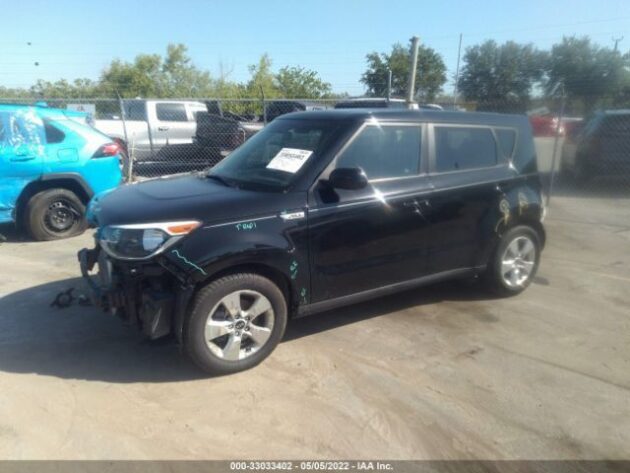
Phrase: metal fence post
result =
(264, 104)
(555, 145)
(126, 157)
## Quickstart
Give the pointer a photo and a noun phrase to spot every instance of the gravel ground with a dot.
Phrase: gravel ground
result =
(439, 373)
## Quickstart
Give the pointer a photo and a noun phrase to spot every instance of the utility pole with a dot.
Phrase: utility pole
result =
(456, 88)
(389, 84)
(411, 85)
(617, 41)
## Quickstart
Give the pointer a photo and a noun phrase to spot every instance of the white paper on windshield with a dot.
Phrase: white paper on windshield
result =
(289, 160)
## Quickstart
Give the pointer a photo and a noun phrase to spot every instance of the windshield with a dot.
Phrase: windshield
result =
(274, 158)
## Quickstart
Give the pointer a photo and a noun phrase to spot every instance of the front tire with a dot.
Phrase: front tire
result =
(54, 214)
(514, 262)
(235, 323)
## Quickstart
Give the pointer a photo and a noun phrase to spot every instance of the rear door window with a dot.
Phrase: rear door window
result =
(461, 148)
(171, 112)
(135, 110)
(22, 132)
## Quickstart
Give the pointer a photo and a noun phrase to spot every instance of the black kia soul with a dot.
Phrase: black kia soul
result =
(318, 210)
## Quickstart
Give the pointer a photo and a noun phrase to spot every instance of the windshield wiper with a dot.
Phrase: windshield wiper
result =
(220, 179)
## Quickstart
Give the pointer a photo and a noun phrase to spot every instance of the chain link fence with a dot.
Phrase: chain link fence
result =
(578, 156)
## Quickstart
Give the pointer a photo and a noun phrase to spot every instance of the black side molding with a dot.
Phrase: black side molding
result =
(385, 290)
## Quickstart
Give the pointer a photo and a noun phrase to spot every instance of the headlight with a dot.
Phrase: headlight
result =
(142, 241)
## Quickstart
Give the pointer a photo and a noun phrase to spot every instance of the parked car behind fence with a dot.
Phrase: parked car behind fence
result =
(600, 148)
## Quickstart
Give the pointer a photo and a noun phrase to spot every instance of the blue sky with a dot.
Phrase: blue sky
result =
(71, 39)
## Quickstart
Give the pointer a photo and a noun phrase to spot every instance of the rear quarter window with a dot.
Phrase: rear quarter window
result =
(507, 141)
(460, 148)
(53, 134)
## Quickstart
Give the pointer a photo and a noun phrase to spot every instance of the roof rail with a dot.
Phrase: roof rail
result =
(26, 104)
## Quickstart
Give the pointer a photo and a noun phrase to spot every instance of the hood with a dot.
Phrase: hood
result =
(192, 197)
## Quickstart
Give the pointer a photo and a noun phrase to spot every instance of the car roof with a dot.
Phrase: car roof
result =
(422, 115)
(44, 110)
(373, 99)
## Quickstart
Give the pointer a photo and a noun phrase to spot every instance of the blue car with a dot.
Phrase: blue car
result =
(51, 164)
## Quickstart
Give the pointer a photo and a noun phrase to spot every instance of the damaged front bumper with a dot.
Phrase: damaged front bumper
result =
(145, 294)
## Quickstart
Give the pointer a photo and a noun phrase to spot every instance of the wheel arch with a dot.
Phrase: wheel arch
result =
(270, 272)
(484, 256)
(537, 226)
(69, 181)
(283, 281)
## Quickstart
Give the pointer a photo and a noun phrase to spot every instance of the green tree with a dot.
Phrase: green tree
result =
(430, 73)
(181, 78)
(150, 75)
(62, 89)
(14, 93)
(262, 80)
(501, 77)
(589, 74)
(298, 82)
(141, 78)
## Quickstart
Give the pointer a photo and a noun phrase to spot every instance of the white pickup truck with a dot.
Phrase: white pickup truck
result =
(150, 125)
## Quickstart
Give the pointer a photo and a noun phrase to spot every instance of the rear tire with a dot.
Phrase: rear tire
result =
(514, 262)
(235, 323)
(54, 214)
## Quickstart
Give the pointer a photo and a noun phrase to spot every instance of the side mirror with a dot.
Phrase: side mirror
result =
(348, 178)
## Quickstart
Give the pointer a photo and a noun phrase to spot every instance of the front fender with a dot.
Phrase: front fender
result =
(270, 241)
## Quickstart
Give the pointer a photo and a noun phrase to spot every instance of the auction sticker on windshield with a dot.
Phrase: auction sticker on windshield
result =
(289, 160)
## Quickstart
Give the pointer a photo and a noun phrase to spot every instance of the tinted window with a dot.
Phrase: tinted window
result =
(459, 148)
(507, 140)
(386, 151)
(171, 112)
(617, 124)
(53, 134)
(135, 110)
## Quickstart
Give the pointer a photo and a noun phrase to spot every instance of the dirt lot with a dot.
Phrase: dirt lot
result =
(439, 373)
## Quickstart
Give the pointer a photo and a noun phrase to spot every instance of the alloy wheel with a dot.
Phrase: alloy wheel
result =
(239, 325)
(518, 261)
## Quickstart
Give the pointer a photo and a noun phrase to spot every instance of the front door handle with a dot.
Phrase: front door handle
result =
(163, 128)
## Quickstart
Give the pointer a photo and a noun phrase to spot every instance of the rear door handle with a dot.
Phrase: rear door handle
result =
(415, 206)
(163, 128)
(21, 159)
